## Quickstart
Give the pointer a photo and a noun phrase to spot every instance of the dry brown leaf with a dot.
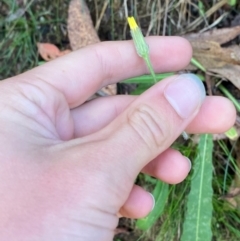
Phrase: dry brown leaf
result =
(220, 36)
(230, 72)
(207, 51)
(233, 197)
(223, 61)
(50, 51)
(211, 55)
(80, 27)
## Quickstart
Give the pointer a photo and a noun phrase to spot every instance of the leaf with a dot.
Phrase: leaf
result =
(147, 79)
(230, 72)
(160, 194)
(233, 197)
(197, 224)
(220, 36)
(49, 51)
(80, 27)
(214, 58)
(211, 55)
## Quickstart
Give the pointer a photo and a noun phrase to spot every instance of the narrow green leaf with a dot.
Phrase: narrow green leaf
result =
(201, 8)
(197, 224)
(198, 65)
(160, 194)
(147, 79)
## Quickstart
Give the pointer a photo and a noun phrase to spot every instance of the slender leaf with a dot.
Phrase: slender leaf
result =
(197, 64)
(197, 224)
(160, 194)
(147, 79)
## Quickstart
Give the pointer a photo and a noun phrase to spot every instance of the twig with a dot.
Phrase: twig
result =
(125, 8)
(165, 18)
(199, 20)
(101, 15)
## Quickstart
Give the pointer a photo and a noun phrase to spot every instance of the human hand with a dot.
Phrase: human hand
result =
(68, 167)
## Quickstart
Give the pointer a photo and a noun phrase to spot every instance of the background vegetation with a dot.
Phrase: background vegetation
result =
(24, 23)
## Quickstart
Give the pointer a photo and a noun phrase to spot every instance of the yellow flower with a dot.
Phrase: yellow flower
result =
(138, 39)
(132, 23)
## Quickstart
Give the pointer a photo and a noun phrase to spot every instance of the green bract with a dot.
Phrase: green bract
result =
(141, 45)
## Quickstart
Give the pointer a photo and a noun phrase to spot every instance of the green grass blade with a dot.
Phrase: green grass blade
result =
(197, 224)
(198, 65)
(160, 194)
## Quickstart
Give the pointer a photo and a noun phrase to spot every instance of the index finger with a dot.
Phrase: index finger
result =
(82, 73)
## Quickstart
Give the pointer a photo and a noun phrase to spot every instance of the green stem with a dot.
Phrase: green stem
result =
(198, 65)
(150, 68)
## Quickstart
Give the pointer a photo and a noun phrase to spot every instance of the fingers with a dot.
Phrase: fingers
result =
(151, 123)
(138, 205)
(80, 74)
(98, 113)
(216, 115)
(170, 166)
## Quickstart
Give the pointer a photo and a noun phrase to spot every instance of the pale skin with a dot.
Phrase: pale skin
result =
(67, 168)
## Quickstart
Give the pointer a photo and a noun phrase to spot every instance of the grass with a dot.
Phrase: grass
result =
(24, 23)
(20, 33)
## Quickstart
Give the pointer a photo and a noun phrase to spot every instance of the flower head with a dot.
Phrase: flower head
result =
(138, 39)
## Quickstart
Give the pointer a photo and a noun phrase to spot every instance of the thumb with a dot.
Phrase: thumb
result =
(152, 122)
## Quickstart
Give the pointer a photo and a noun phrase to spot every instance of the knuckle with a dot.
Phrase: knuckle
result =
(149, 126)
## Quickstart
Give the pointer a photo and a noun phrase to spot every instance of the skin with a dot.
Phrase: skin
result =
(68, 166)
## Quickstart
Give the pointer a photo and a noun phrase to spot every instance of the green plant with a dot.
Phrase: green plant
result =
(197, 223)
(160, 194)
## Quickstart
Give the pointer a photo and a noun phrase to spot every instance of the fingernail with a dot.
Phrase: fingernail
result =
(185, 94)
(153, 200)
(190, 163)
